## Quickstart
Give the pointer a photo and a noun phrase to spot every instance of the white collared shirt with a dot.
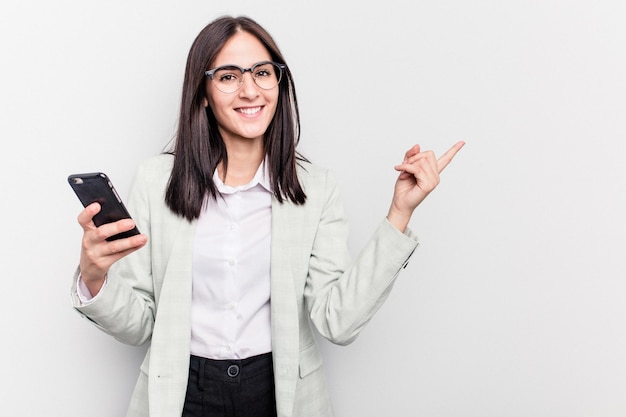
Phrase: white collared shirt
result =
(230, 308)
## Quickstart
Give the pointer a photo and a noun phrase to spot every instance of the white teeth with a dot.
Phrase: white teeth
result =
(250, 110)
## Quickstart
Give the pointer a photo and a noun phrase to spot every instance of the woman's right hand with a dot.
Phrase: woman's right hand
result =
(97, 254)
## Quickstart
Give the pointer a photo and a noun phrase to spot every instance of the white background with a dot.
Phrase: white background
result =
(514, 305)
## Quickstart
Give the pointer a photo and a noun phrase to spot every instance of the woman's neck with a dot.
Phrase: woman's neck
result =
(244, 158)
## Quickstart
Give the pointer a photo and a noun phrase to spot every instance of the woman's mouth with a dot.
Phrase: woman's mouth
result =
(249, 111)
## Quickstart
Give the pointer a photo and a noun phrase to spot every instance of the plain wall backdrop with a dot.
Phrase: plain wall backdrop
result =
(515, 303)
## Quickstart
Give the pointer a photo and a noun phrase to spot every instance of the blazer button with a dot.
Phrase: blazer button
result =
(233, 371)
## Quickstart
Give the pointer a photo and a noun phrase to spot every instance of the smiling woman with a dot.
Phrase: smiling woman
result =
(243, 106)
(245, 246)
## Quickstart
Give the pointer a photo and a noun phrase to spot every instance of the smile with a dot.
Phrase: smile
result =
(249, 110)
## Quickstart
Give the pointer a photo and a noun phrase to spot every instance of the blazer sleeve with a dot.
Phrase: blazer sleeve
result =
(342, 295)
(125, 308)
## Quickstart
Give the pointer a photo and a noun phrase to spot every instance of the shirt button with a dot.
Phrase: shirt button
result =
(231, 262)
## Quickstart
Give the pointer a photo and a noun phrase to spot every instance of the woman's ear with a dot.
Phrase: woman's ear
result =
(205, 102)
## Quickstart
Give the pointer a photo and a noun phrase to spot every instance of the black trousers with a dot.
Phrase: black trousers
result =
(230, 388)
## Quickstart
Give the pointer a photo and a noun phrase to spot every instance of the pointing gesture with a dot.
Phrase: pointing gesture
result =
(419, 175)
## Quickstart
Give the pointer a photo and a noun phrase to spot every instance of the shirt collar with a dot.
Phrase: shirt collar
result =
(261, 177)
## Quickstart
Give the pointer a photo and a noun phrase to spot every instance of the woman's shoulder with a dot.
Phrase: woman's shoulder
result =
(156, 168)
(309, 169)
(314, 176)
(157, 165)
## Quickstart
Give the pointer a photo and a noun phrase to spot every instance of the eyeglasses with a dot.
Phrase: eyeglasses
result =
(229, 78)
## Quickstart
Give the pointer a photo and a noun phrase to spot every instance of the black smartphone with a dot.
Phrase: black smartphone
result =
(97, 187)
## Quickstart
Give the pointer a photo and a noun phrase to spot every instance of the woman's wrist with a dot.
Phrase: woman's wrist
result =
(398, 219)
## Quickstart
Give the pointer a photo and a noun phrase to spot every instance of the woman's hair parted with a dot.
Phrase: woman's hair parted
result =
(199, 147)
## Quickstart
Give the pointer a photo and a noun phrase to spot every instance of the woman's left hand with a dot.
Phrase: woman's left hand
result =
(419, 175)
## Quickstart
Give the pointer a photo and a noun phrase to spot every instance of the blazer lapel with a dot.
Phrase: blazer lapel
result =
(284, 309)
(168, 370)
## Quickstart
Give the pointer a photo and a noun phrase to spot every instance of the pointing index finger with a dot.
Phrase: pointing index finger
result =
(445, 159)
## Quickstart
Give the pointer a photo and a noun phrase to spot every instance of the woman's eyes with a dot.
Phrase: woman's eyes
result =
(234, 75)
(228, 77)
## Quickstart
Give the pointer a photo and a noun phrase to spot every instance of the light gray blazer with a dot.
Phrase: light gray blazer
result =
(313, 281)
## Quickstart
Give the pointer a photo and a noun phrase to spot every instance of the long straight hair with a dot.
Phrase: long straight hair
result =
(199, 147)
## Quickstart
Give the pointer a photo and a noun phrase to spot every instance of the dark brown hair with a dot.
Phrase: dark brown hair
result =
(199, 147)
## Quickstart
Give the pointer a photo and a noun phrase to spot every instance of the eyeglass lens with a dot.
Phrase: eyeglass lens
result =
(229, 79)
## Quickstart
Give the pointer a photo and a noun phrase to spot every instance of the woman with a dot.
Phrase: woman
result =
(244, 246)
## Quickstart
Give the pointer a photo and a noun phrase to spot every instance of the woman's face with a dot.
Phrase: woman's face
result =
(246, 113)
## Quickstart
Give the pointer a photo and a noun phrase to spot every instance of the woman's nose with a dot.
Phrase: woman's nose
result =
(248, 87)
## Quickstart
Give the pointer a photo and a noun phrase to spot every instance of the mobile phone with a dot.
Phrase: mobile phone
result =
(97, 187)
